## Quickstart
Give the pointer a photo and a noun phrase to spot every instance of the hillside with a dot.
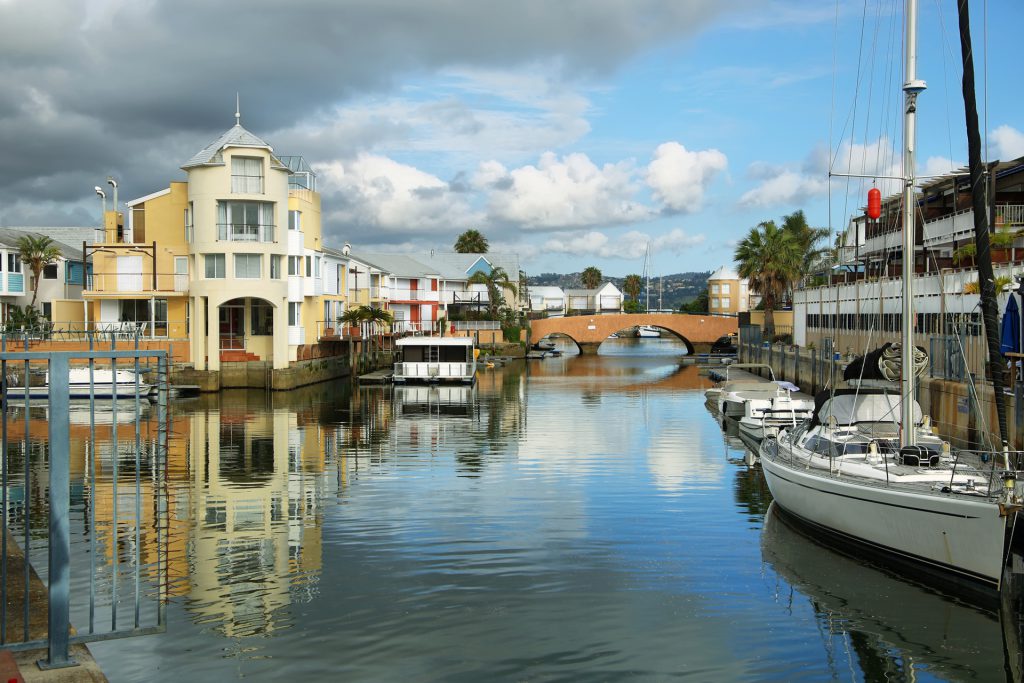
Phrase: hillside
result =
(674, 290)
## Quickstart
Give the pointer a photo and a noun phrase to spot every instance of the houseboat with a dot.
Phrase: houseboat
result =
(435, 359)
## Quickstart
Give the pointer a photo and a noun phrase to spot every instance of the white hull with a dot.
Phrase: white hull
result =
(956, 533)
(648, 332)
(79, 386)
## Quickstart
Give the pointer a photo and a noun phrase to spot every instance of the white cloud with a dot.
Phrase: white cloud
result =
(680, 177)
(796, 183)
(1007, 143)
(629, 246)
(376, 192)
(560, 193)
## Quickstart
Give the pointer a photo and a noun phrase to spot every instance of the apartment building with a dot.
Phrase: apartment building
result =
(230, 259)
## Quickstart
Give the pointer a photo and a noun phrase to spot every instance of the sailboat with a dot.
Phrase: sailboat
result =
(866, 467)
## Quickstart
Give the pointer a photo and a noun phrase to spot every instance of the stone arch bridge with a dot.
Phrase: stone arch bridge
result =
(698, 332)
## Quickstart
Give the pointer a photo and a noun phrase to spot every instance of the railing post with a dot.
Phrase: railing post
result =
(60, 538)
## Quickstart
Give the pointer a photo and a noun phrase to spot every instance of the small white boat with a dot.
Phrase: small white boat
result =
(764, 413)
(102, 385)
(435, 359)
(647, 331)
(739, 386)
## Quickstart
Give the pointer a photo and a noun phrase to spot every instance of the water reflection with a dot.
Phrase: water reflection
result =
(891, 628)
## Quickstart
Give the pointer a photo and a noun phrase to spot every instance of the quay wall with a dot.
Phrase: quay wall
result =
(959, 417)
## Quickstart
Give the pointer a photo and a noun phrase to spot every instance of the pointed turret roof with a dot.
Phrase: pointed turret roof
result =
(235, 137)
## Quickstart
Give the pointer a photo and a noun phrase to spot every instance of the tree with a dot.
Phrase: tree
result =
(812, 242)
(471, 242)
(770, 257)
(37, 253)
(698, 305)
(376, 316)
(591, 277)
(632, 285)
(496, 281)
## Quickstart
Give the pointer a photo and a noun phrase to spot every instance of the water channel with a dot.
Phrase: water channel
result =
(577, 518)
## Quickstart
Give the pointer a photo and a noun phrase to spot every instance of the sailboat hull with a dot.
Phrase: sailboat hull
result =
(948, 532)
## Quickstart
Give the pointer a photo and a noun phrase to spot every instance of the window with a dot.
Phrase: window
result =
(50, 271)
(725, 302)
(245, 221)
(262, 314)
(714, 302)
(189, 227)
(294, 313)
(48, 310)
(725, 288)
(275, 266)
(316, 266)
(138, 311)
(248, 265)
(714, 289)
(295, 265)
(309, 266)
(13, 263)
(295, 220)
(247, 175)
(215, 267)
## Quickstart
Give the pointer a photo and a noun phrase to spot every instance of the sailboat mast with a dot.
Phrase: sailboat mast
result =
(912, 87)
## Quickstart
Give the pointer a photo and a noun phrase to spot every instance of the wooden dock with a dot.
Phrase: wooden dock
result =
(382, 376)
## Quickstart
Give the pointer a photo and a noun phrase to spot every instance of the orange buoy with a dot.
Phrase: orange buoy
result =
(874, 203)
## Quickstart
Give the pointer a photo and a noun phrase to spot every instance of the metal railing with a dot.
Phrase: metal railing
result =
(411, 327)
(112, 283)
(433, 371)
(470, 325)
(79, 331)
(115, 585)
(413, 295)
(1009, 214)
(239, 232)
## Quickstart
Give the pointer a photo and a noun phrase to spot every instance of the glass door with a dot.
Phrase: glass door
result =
(232, 325)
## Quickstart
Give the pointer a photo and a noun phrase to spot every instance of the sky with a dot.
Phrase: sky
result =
(574, 133)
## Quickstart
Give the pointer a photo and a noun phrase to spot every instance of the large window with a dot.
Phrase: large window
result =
(295, 265)
(248, 265)
(262, 314)
(294, 313)
(245, 221)
(725, 288)
(247, 175)
(275, 266)
(13, 263)
(50, 271)
(215, 267)
(138, 311)
(189, 226)
(295, 220)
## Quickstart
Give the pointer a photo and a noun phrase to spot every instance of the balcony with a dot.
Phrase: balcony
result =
(959, 226)
(413, 295)
(112, 285)
(245, 232)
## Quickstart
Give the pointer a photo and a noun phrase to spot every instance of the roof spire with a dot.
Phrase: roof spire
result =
(238, 112)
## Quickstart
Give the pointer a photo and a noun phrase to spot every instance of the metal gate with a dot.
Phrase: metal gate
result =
(83, 446)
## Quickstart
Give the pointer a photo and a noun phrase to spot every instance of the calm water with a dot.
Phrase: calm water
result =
(581, 518)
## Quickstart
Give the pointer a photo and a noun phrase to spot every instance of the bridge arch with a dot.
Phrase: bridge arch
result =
(698, 332)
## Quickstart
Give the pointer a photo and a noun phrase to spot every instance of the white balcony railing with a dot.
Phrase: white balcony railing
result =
(113, 283)
(413, 295)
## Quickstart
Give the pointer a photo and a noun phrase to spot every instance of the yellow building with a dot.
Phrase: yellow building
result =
(230, 261)
(729, 293)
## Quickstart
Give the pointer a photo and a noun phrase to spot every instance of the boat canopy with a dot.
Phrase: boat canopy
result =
(852, 406)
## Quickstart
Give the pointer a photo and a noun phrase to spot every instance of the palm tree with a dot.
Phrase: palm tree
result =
(351, 318)
(471, 242)
(37, 253)
(770, 257)
(633, 284)
(496, 281)
(376, 316)
(591, 277)
(813, 242)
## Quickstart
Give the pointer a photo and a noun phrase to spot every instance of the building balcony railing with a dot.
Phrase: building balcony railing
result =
(248, 232)
(410, 327)
(118, 283)
(413, 295)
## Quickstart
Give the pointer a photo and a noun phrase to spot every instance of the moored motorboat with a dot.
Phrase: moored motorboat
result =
(435, 359)
(98, 383)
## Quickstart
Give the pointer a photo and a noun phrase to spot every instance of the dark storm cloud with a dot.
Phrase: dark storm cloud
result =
(135, 88)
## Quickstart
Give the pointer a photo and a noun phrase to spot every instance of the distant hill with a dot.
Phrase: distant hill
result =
(675, 290)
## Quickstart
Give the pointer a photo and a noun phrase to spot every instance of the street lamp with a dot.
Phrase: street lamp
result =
(113, 184)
